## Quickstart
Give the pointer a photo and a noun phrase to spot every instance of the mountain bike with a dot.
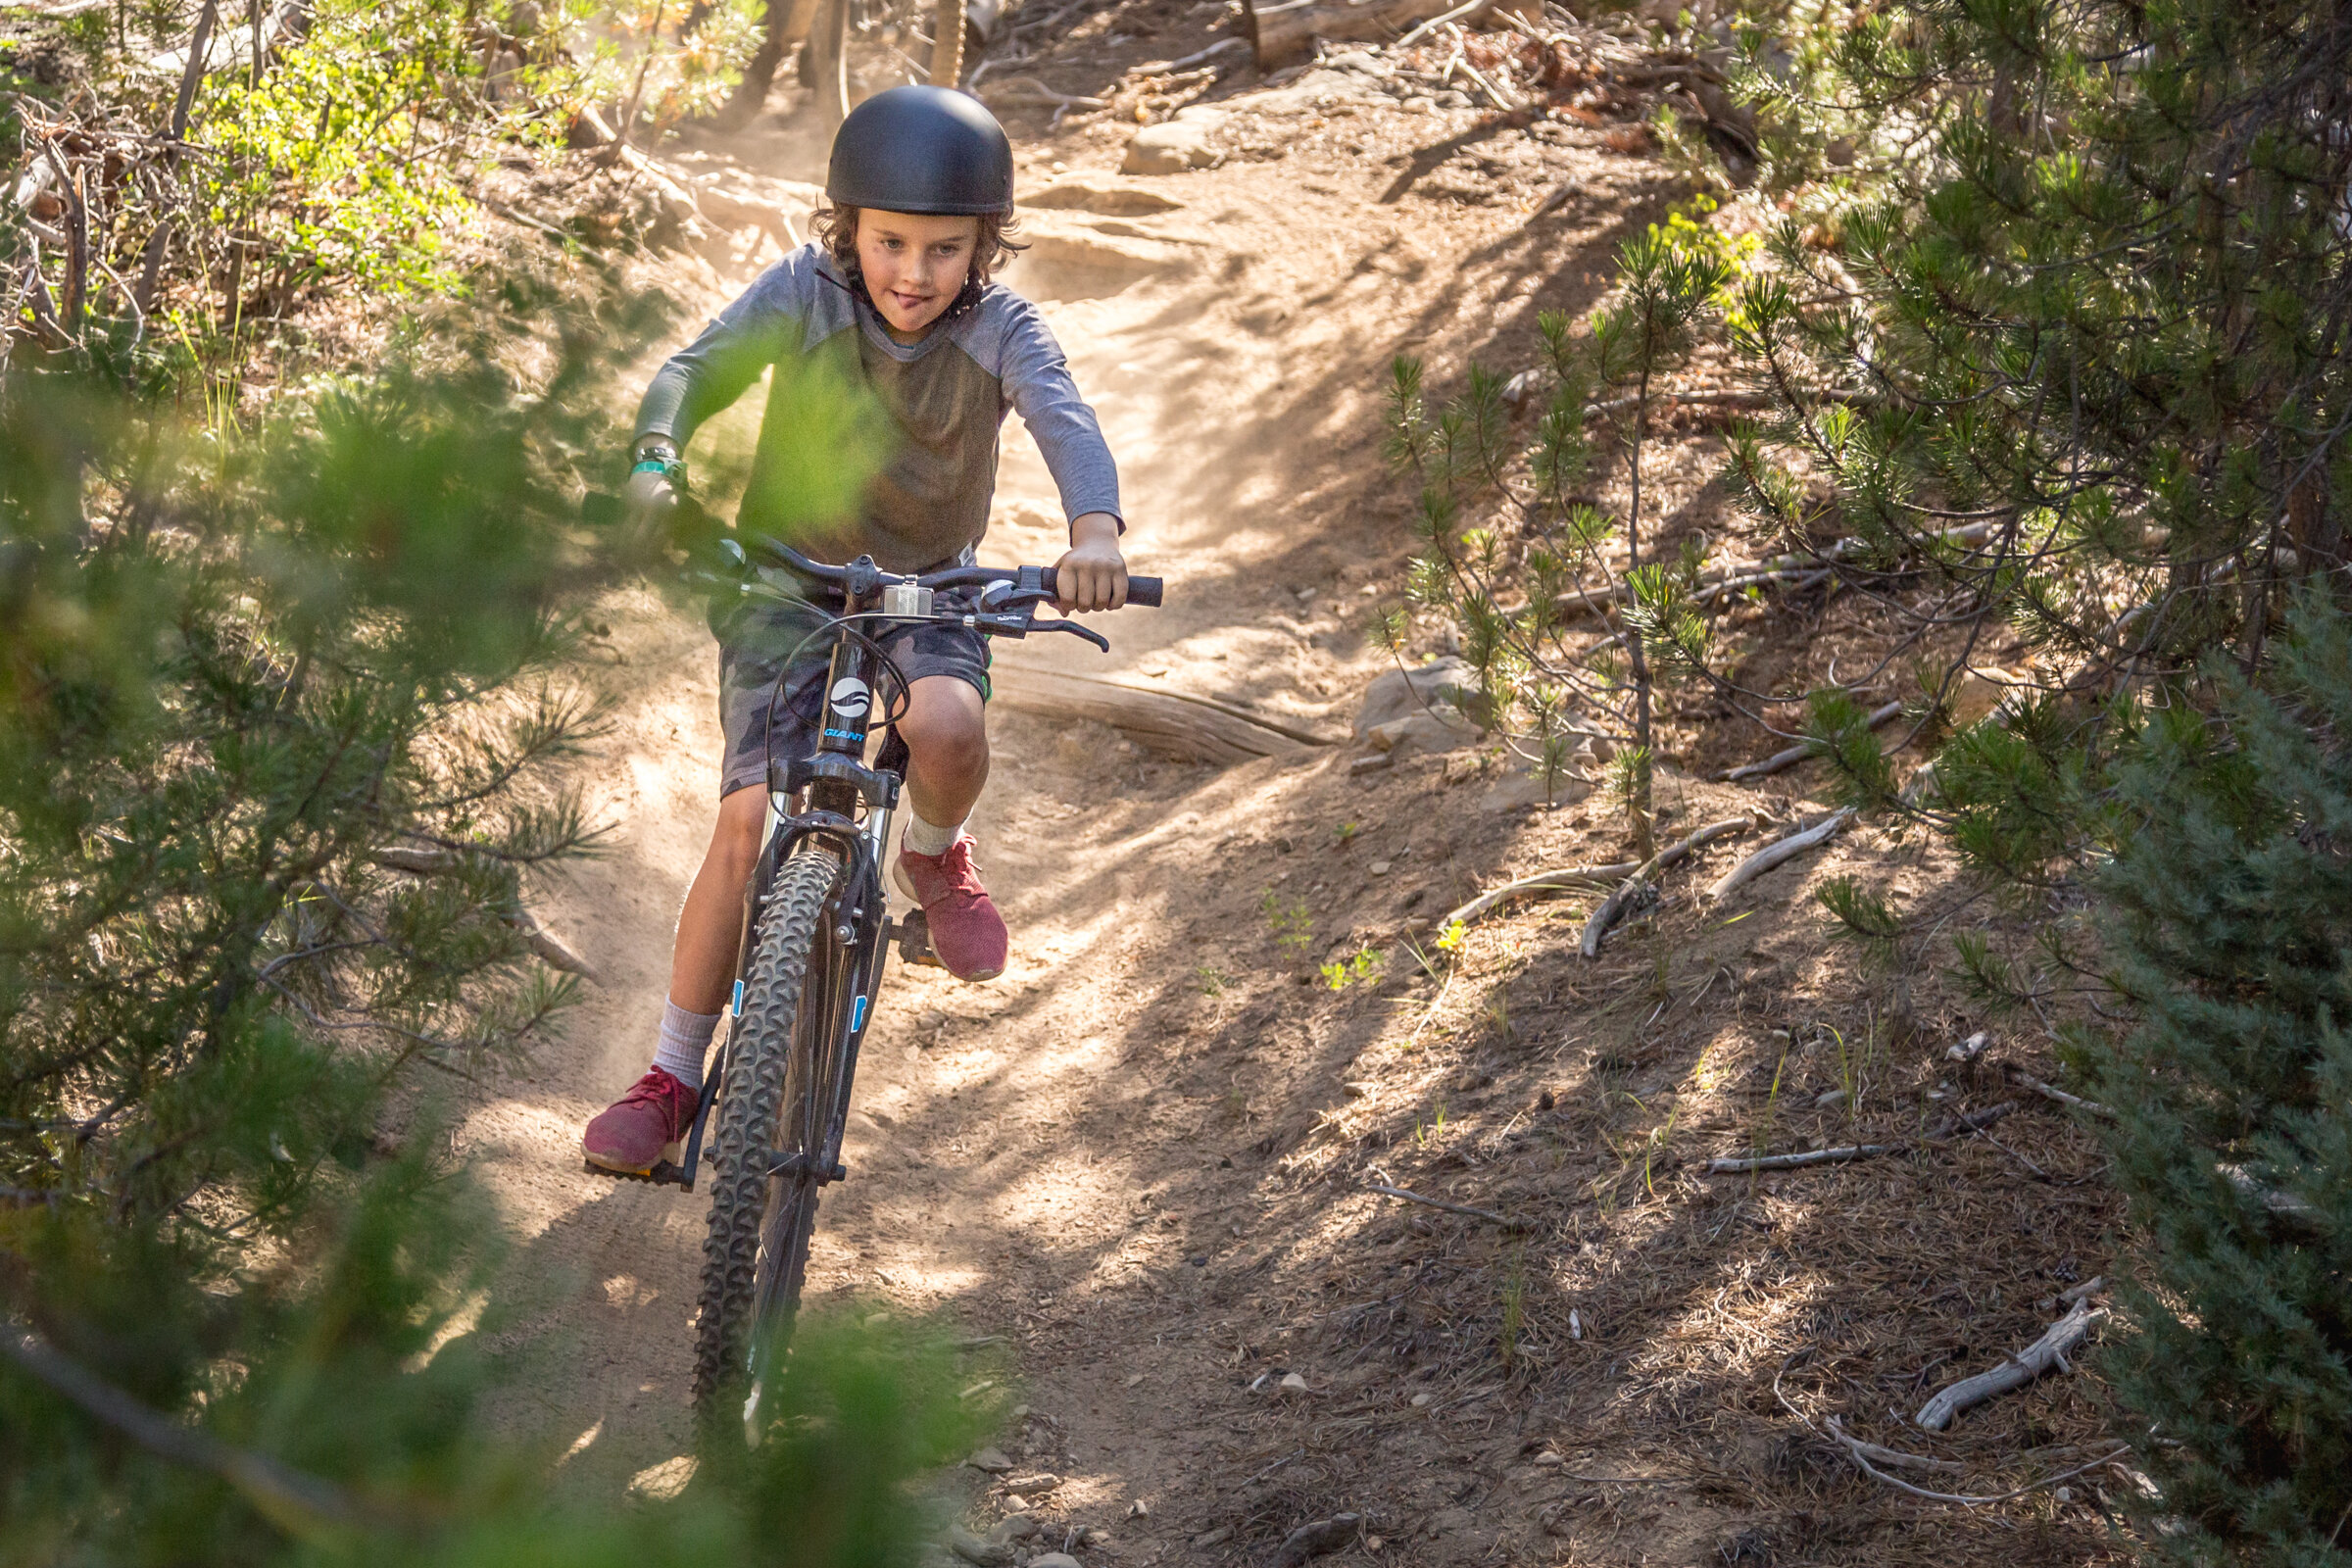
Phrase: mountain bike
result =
(816, 931)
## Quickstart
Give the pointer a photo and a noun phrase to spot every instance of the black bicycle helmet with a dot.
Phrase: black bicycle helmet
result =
(922, 150)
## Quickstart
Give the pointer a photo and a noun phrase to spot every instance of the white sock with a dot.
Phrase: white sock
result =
(685, 1041)
(929, 838)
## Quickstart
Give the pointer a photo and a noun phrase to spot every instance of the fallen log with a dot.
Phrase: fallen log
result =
(1598, 926)
(2015, 1371)
(1789, 757)
(1171, 724)
(1788, 849)
(1284, 34)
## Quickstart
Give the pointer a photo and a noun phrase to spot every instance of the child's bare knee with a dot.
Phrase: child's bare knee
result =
(947, 732)
(735, 838)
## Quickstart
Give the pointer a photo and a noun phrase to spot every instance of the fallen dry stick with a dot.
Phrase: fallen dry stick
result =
(1890, 1456)
(1788, 758)
(1860, 1453)
(1788, 849)
(1973, 1121)
(2025, 1080)
(1598, 926)
(2015, 1372)
(1486, 1215)
(1561, 880)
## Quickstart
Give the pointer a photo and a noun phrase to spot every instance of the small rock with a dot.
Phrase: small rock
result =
(1293, 1382)
(992, 1460)
(1373, 763)
(2064, 1495)
(1545, 1461)
(1836, 1097)
(1316, 1539)
(1576, 1325)
(1133, 1378)
(1139, 1509)
(1520, 388)
(1212, 1538)
(1432, 690)
(1450, 99)
(1014, 1502)
(1096, 1536)
(1038, 1481)
(1016, 1527)
(1170, 149)
(1053, 1559)
(1421, 1401)
(1420, 104)
(932, 1018)
(1380, 868)
(971, 1548)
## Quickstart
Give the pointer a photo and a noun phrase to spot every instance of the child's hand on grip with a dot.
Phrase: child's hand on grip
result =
(1092, 574)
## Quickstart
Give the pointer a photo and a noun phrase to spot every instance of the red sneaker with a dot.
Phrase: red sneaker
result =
(966, 931)
(643, 1127)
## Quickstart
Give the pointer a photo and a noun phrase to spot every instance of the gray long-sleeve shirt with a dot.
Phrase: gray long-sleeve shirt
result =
(932, 409)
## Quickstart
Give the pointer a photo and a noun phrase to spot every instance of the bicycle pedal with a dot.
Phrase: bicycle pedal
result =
(912, 932)
(663, 1173)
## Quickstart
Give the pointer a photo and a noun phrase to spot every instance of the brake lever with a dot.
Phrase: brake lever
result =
(1075, 630)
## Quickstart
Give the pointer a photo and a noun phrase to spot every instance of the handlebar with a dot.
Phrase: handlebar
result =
(863, 578)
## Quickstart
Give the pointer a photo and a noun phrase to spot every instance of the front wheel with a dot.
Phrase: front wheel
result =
(775, 1102)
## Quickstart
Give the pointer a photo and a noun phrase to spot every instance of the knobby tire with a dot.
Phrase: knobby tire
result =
(772, 1100)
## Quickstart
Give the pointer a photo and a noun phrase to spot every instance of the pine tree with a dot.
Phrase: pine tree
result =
(283, 713)
(2233, 1099)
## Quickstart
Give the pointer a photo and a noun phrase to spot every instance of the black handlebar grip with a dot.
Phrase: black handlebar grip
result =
(1143, 591)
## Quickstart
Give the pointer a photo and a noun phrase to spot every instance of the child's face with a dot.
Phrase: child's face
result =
(915, 264)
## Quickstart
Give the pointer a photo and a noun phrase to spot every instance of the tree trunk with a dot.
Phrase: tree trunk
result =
(946, 43)
(787, 25)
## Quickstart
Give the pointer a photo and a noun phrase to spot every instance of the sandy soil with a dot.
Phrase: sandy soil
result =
(1139, 1155)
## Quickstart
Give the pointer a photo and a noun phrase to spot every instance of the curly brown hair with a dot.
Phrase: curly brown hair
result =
(836, 229)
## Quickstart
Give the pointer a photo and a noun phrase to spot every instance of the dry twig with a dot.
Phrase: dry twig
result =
(1607, 915)
(1788, 849)
(2015, 1371)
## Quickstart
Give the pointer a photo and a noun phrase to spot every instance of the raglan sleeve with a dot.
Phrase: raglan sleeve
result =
(1037, 382)
(711, 372)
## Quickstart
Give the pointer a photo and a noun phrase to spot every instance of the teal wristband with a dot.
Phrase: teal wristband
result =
(653, 466)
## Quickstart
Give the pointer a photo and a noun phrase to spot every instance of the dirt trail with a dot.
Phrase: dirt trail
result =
(1120, 1157)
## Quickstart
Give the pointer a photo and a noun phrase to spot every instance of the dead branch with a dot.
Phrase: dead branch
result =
(2015, 1371)
(1613, 907)
(1839, 1156)
(1890, 1456)
(1788, 849)
(1486, 1215)
(2049, 1091)
(1859, 1452)
(1784, 760)
(1560, 880)
(1973, 1121)
(550, 948)
(303, 1504)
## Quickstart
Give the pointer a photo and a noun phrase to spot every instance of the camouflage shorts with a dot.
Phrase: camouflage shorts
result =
(757, 644)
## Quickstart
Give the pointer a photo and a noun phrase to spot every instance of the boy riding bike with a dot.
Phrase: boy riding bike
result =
(891, 304)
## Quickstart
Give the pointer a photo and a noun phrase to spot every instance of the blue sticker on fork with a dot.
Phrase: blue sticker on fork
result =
(736, 1007)
(858, 1015)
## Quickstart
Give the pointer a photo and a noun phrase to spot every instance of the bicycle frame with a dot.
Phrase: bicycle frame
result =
(852, 805)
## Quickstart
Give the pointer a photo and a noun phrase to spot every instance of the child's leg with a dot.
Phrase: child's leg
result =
(946, 763)
(702, 965)
(636, 1131)
(946, 759)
